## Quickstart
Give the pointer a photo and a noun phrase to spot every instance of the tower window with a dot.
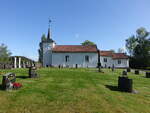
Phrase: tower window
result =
(87, 58)
(67, 58)
(105, 59)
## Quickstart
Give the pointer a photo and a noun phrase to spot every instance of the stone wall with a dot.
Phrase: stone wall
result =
(5, 66)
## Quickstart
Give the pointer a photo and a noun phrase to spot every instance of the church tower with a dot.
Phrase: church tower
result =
(48, 45)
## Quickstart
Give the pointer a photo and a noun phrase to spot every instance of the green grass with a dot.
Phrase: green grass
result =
(74, 91)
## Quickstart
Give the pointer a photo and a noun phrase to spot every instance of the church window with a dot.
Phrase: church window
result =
(105, 59)
(87, 58)
(119, 61)
(67, 58)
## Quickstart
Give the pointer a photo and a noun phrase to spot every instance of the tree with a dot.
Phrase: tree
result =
(87, 42)
(4, 53)
(139, 48)
(131, 43)
(43, 38)
(40, 50)
(112, 50)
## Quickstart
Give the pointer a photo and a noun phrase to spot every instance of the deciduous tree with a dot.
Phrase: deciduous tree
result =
(87, 42)
(139, 48)
(4, 53)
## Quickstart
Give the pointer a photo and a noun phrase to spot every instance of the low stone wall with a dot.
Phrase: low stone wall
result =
(5, 66)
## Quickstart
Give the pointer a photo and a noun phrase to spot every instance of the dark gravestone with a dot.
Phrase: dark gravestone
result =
(8, 80)
(113, 67)
(32, 72)
(59, 66)
(125, 84)
(128, 70)
(124, 74)
(147, 74)
(137, 72)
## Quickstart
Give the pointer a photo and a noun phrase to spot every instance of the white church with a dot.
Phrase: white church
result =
(79, 55)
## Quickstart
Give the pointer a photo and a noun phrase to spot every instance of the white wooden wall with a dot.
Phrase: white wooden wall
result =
(75, 58)
(110, 62)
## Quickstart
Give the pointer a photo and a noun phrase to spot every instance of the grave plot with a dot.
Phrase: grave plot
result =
(137, 72)
(9, 82)
(124, 83)
(147, 74)
(128, 69)
(33, 72)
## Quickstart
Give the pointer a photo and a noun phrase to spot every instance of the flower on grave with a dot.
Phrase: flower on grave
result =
(17, 85)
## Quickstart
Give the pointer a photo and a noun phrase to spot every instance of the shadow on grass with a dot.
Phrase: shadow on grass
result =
(22, 77)
(112, 88)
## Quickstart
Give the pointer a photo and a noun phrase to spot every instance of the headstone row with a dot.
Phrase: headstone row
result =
(9, 79)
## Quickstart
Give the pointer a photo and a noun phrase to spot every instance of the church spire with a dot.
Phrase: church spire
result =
(49, 39)
(49, 32)
(48, 35)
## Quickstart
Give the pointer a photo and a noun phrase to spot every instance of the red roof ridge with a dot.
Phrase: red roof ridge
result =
(109, 53)
(75, 48)
(75, 45)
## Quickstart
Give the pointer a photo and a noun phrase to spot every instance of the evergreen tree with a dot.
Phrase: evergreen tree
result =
(40, 51)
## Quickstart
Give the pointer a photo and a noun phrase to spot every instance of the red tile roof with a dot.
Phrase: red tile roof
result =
(113, 55)
(119, 56)
(75, 48)
(106, 53)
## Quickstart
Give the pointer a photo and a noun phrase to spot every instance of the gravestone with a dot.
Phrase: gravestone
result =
(113, 68)
(32, 72)
(59, 66)
(124, 74)
(125, 84)
(128, 70)
(147, 74)
(137, 72)
(8, 80)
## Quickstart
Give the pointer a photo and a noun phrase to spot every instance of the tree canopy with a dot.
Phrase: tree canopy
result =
(4, 53)
(87, 42)
(40, 50)
(138, 47)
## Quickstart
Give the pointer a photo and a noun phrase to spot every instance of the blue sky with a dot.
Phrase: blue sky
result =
(106, 22)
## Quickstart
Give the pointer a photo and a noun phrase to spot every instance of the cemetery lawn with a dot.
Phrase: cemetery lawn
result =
(74, 91)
